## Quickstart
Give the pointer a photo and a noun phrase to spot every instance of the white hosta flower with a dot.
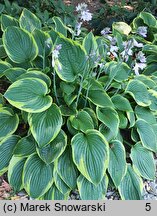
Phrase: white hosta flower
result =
(85, 15)
(109, 37)
(141, 57)
(81, 7)
(105, 31)
(55, 53)
(142, 31)
(59, 66)
(101, 65)
(113, 49)
(138, 66)
(78, 28)
(136, 44)
(125, 54)
(48, 42)
(128, 45)
(53, 62)
(94, 74)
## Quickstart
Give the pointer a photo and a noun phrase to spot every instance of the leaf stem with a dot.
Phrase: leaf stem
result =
(79, 92)
(127, 143)
(54, 87)
(87, 92)
(44, 58)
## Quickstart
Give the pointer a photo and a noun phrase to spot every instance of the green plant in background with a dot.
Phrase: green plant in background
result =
(77, 113)
(120, 11)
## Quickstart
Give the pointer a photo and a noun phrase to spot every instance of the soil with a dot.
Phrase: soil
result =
(95, 5)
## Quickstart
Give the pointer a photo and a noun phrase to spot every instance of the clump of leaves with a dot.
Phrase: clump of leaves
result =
(86, 115)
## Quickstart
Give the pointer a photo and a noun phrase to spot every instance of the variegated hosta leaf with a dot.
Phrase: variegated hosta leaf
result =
(7, 20)
(59, 26)
(143, 161)
(3, 67)
(122, 27)
(100, 98)
(54, 149)
(145, 114)
(15, 171)
(36, 74)
(43, 41)
(91, 155)
(131, 118)
(147, 135)
(107, 132)
(131, 186)
(29, 21)
(8, 122)
(66, 168)
(13, 73)
(2, 102)
(89, 191)
(109, 117)
(7, 147)
(117, 162)
(37, 176)
(29, 94)
(19, 45)
(46, 125)
(25, 147)
(60, 184)
(91, 48)
(82, 121)
(148, 18)
(71, 61)
(139, 92)
(54, 194)
(121, 103)
(92, 115)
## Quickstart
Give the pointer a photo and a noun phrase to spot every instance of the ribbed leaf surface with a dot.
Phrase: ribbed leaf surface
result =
(7, 20)
(121, 103)
(72, 60)
(117, 163)
(139, 92)
(131, 186)
(82, 121)
(19, 44)
(91, 155)
(147, 135)
(37, 176)
(100, 98)
(29, 94)
(46, 125)
(54, 194)
(52, 151)
(3, 67)
(109, 117)
(36, 74)
(145, 114)
(15, 171)
(143, 161)
(60, 184)
(89, 191)
(13, 73)
(7, 147)
(8, 122)
(67, 169)
(25, 147)
(43, 41)
(29, 21)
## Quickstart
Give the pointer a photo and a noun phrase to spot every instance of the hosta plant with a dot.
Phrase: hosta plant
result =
(77, 112)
